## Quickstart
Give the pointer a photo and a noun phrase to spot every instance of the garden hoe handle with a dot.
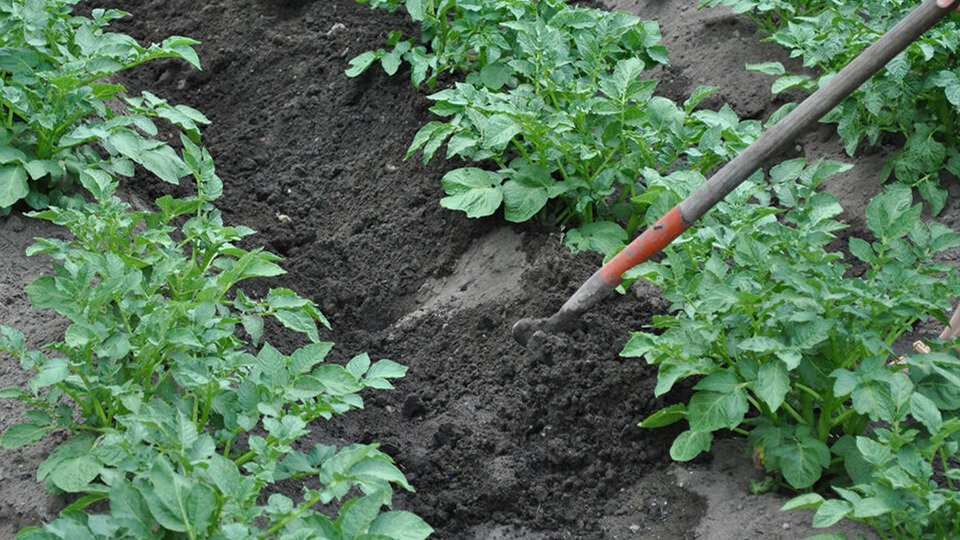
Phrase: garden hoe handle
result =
(685, 214)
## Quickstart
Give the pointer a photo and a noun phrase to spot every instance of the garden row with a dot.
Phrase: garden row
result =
(179, 420)
(785, 342)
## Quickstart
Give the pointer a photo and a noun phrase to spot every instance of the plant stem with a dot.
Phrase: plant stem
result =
(825, 422)
(97, 407)
(813, 393)
(842, 417)
(211, 390)
(946, 116)
(793, 412)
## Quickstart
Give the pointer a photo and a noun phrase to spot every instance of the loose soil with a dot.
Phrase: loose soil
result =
(501, 441)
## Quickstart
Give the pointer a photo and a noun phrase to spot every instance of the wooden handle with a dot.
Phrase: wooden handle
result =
(808, 113)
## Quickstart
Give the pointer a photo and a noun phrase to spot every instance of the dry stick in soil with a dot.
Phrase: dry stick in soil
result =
(655, 238)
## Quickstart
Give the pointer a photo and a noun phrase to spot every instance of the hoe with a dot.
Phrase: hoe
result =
(687, 212)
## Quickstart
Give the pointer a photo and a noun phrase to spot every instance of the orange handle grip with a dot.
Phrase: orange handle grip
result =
(648, 244)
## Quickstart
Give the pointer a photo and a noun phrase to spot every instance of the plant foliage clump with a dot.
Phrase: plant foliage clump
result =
(792, 347)
(174, 420)
(555, 97)
(180, 420)
(56, 116)
(917, 95)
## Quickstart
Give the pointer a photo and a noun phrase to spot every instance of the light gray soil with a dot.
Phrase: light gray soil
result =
(22, 500)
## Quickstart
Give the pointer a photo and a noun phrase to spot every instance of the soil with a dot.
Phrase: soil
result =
(501, 441)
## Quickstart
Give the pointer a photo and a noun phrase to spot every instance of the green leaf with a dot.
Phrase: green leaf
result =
(386, 369)
(522, 199)
(74, 473)
(253, 325)
(925, 410)
(390, 63)
(223, 473)
(474, 191)
(665, 416)
(830, 512)
(870, 507)
(79, 335)
(802, 460)
(13, 184)
(861, 249)
(603, 237)
(768, 68)
(358, 514)
(788, 81)
(422, 136)
(498, 131)
(709, 411)
(78, 446)
(100, 184)
(53, 371)
(823, 206)
(639, 345)
(495, 75)
(84, 502)
(772, 384)
(416, 9)
(336, 380)
(723, 382)
(807, 501)
(127, 504)
(689, 444)
(358, 365)
(761, 344)
(873, 451)
(19, 435)
(699, 94)
(164, 162)
(201, 505)
(361, 63)
(11, 340)
(933, 193)
(853, 463)
(891, 214)
(400, 525)
(9, 154)
(13, 392)
(828, 536)
(303, 359)
(298, 321)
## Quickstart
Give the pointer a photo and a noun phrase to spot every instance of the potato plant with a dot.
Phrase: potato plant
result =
(555, 105)
(174, 418)
(793, 351)
(179, 419)
(905, 475)
(917, 96)
(59, 114)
